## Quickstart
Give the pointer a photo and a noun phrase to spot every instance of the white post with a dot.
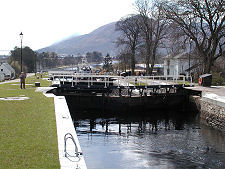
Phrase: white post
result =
(72, 80)
(173, 79)
(105, 82)
(76, 80)
(146, 83)
(183, 80)
(53, 79)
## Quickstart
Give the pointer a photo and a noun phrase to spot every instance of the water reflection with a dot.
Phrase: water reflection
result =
(159, 140)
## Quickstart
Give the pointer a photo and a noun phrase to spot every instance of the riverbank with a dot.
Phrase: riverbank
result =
(28, 136)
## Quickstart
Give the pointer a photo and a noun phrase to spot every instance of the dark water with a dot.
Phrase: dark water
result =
(152, 140)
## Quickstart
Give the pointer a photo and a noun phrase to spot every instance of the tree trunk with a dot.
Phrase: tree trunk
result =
(132, 61)
(153, 60)
(147, 61)
(207, 62)
(207, 65)
(148, 55)
(151, 68)
(206, 69)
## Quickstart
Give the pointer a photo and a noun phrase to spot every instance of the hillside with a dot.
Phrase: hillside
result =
(102, 40)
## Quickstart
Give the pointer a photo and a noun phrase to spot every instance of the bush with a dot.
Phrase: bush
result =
(217, 79)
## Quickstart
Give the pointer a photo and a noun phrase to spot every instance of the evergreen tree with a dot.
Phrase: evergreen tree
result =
(107, 66)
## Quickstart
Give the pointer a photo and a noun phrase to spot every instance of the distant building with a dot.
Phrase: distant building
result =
(3, 58)
(157, 69)
(178, 65)
(8, 71)
(2, 77)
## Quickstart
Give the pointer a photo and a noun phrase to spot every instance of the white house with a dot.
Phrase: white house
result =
(2, 77)
(7, 70)
(177, 65)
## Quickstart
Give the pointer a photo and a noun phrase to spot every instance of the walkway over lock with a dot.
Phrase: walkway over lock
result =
(105, 83)
(60, 78)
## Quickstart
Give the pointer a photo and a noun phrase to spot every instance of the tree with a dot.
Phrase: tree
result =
(48, 59)
(129, 27)
(28, 58)
(202, 22)
(153, 28)
(124, 60)
(107, 65)
(94, 57)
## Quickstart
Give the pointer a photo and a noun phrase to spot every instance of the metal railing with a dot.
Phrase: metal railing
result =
(90, 79)
(77, 153)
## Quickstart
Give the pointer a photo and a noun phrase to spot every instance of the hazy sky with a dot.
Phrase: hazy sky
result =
(44, 22)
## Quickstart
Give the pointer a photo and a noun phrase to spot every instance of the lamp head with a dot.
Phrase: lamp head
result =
(21, 35)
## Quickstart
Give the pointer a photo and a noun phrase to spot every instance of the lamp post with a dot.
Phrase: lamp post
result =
(189, 60)
(21, 56)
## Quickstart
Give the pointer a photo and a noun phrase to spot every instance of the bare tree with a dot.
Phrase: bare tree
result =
(129, 39)
(124, 60)
(153, 29)
(201, 21)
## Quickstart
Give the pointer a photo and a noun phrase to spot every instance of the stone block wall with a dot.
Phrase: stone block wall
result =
(211, 114)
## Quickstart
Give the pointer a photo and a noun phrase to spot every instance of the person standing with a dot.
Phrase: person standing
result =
(41, 73)
(22, 80)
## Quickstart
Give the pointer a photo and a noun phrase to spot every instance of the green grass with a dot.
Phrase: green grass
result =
(33, 79)
(28, 137)
(138, 84)
(30, 84)
(182, 82)
(44, 74)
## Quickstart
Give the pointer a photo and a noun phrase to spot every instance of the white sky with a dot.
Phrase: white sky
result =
(43, 22)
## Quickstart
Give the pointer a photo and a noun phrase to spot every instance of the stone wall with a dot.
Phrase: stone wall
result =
(211, 114)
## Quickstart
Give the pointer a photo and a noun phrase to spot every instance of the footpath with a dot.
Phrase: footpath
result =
(16, 80)
(213, 94)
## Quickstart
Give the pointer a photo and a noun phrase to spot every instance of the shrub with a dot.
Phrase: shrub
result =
(217, 79)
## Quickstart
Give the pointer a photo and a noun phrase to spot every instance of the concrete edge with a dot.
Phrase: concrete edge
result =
(214, 99)
(65, 125)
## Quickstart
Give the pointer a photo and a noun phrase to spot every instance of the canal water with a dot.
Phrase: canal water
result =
(166, 139)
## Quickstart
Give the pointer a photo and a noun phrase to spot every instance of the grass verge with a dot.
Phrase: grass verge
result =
(28, 137)
(139, 84)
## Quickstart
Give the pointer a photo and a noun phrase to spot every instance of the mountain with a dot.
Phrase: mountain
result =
(101, 40)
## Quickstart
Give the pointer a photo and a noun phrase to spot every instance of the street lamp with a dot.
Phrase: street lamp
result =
(21, 56)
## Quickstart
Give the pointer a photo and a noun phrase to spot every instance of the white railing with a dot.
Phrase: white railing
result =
(90, 79)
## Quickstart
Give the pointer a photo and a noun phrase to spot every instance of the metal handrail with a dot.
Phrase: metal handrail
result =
(90, 78)
(77, 153)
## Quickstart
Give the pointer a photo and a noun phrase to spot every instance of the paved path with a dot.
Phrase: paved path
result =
(16, 80)
(214, 94)
(218, 90)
